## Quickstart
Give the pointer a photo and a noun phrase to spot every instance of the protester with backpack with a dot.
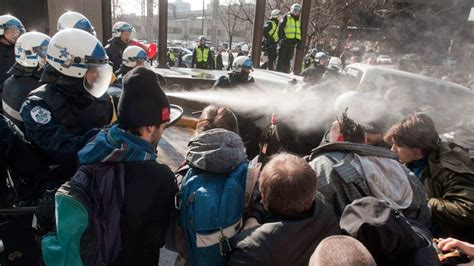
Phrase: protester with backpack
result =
(212, 194)
(116, 208)
(297, 220)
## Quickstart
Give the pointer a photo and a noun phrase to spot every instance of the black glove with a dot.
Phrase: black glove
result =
(45, 212)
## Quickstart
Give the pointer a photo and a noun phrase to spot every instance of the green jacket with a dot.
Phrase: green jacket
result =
(449, 182)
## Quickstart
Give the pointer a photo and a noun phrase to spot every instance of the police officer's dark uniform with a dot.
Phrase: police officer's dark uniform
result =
(114, 51)
(202, 56)
(270, 32)
(289, 32)
(7, 59)
(249, 132)
(62, 115)
(15, 90)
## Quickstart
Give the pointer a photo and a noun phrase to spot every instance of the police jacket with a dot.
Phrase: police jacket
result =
(60, 116)
(15, 90)
(292, 33)
(202, 55)
(270, 31)
(114, 50)
(7, 59)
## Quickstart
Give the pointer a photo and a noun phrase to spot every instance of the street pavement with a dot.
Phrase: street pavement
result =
(171, 151)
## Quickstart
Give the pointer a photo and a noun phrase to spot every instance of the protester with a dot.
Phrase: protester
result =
(445, 169)
(347, 169)
(450, 243)
(216, 179)
(391, 238)
(219, 63)
(341, 250)
(298, 221)
(149, 186)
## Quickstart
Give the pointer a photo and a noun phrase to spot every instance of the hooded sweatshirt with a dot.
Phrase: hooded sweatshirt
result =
(149, 193)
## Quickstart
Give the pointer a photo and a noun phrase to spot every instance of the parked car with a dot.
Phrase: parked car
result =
(187, 60)
(384, 59)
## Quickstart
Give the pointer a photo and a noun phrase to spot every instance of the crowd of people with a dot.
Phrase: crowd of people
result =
(87, 158)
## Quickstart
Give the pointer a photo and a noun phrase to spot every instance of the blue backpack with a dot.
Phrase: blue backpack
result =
(88, 210)
(211, 211)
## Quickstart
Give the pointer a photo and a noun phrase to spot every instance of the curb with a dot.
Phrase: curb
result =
(187, 122)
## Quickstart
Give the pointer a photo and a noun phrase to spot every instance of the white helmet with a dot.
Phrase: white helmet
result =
(242, 62)
(295, 8)
(276, 13)
(120, 27)
(335, 63)
(30, 48)
(75, 20)
(74, 53)
(131, 54)
(9, 21)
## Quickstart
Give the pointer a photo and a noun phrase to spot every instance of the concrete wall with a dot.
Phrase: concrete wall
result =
(33, 14)
(92, 9)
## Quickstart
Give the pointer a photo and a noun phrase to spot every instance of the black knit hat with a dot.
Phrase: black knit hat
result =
(142, 102)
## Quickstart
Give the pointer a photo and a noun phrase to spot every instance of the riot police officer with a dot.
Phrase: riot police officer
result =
(10, 29)
(30, 56)
(240, 73)
(121, 32)
(62, 115)
(202, 55)
(270, 32)
(75, 20)
(289, 32)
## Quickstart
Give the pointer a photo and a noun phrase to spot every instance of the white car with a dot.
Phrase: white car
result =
(384, 59)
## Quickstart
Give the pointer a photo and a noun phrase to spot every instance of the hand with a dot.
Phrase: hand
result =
(449, 243)
(250, 223)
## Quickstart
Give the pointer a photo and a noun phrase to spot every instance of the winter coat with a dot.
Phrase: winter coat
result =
(285, 242)
(149, 193)
(349, 171)
(449, 182)
(15, 90)
(7, 59)
(114, 50)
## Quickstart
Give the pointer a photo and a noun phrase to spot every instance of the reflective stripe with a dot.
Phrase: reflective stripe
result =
(11, 112)
(292, 28)
(201, 55)
(214, 238)
(273, 32)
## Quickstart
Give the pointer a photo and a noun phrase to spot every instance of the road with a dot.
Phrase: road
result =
(171, 151)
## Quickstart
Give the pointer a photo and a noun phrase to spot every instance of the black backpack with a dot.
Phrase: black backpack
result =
(88, 212)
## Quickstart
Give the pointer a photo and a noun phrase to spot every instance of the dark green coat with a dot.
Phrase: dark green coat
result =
(449, 182)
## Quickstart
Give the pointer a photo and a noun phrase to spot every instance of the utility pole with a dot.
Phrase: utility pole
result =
(306, 8)
(202, 19)
(106, 20)
(149, 21)
(215, 6)
(258, 32)
(162, 33)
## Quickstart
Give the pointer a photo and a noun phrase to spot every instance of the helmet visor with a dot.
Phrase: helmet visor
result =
(97, 79)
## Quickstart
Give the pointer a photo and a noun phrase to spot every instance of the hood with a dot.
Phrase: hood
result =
(116, 145)
(452, 157)
(361, 149)
(217, 150)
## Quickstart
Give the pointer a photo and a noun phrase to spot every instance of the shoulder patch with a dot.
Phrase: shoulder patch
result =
(40, 115)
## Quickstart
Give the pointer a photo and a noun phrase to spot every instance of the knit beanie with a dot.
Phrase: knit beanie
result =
(142, 101)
